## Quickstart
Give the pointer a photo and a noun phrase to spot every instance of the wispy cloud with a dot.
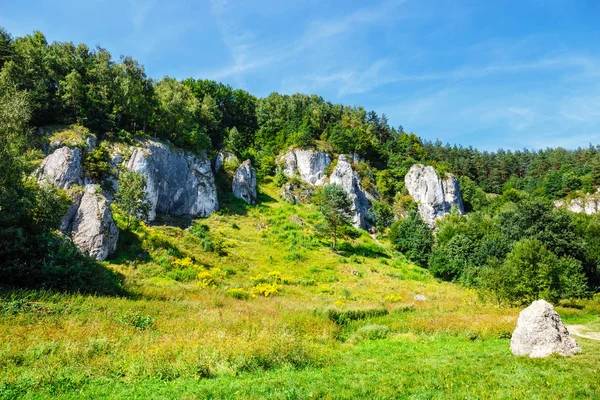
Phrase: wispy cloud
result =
(139, 12)
(252, 52)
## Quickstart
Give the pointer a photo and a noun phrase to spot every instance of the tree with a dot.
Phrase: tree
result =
(413, 238)
(177, 115)
(6, 51)
(334, 205)
(531, 271)
(131, 197)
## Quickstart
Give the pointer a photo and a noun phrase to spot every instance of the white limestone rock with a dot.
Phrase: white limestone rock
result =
(590, 204)
(434, 196)
(92, 227)
(344, 175)
(244, 183)
(308, 164)
(540, 332)
(178, 183)
(62, 168)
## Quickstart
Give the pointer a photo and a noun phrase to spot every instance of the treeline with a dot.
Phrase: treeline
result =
(553, 173)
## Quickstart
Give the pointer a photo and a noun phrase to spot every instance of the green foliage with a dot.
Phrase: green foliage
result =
(384, 215)
(474, 198)
(413, 238)
(450, 261)
(32, 254)
(280, 179)
(131, 197)
(95, 164)
(138, 321)
(531, 271)
(334, 205)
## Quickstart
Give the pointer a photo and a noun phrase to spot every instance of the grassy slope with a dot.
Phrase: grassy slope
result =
(174, 339)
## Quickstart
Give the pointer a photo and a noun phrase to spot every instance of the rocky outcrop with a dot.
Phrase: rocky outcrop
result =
(540, 332)
(224, 158)
(244, 183)
(88, 221)
(589, 204)
(434, 196)
(178, 183)
(308, 164)
(295, 194)
(62, 168)
(344, 175)
(91, 226)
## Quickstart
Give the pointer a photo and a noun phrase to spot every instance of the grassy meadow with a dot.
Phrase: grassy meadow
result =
(253, 303)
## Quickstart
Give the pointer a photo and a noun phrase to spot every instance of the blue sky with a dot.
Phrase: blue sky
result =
(491, 74)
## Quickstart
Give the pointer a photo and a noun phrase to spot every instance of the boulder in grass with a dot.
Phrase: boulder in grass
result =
(540, 332)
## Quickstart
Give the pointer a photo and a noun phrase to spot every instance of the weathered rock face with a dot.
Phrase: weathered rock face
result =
(88, 221)
(309, 164)
(344, 175)
(540, 332)
(223, 158)
(177, 183)
(62, 168)
(92, 227)
(589, 204)
(434, 196)
(244, 183)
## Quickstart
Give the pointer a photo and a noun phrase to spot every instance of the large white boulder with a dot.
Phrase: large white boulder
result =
(244, 183)
(540, 332)
(435, 197)
(308, 164)
(347, 178)
(177, 182)
(62, 168)
(92, 227)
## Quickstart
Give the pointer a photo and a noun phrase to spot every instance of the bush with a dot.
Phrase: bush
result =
(138, 321)
(531, 271)
(384, 215)
(239, 293)
(448, 262)
(266, 289)
(413, 238)
(95, 164)
(344, 317)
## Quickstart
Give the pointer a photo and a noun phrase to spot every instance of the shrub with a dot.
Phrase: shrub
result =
(344, 317)
(138, 321)
(239, 293)
(393, 298)
(413, 238)
(266, 289)
(210, 278)
(95, 164)
(531, 271)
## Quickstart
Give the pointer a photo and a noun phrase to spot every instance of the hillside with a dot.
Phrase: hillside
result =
(341, 324)
(185, 239)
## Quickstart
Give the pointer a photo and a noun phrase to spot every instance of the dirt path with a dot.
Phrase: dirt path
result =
(583, 331)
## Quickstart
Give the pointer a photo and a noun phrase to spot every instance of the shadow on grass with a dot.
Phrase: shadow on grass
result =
(231, 205)
(366, 250)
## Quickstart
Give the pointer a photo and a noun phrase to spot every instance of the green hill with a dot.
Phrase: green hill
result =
(259, 306)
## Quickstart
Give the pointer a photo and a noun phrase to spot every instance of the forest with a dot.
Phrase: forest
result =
(513, 242)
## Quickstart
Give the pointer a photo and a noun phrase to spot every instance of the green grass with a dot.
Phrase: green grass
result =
(196, 323)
